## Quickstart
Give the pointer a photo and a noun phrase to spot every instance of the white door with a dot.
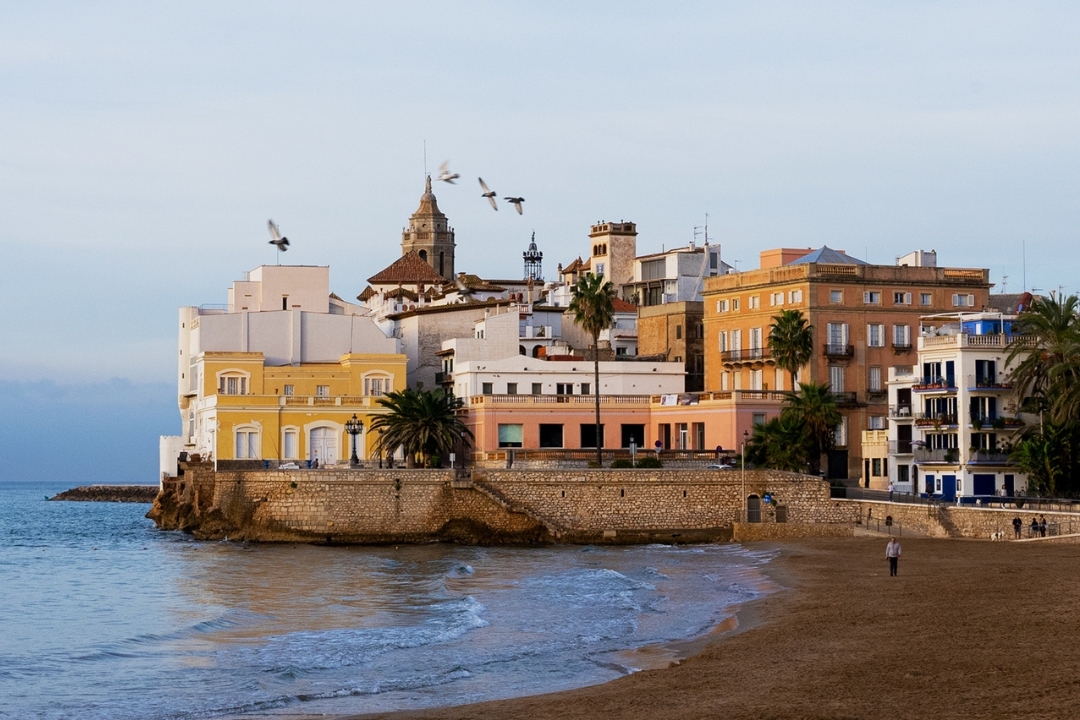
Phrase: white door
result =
(324, 446)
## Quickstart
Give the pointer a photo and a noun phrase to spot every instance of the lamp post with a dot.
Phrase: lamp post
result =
(354, 427)
(742, 499)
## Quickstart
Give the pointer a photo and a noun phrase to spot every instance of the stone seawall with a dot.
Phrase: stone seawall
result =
(963, 521)
(496, 506)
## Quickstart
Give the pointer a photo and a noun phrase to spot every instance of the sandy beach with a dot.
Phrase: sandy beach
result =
(969, 629)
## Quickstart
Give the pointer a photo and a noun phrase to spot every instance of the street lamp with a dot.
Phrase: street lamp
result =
(742, 499)
(354, 427)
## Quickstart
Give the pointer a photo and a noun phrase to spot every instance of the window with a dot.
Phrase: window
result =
(289, 390)
(875, 380)
(588, 435)
(291, 447)
(537, 389)
(510, 436)
(836, 296)
(755, 380)
(232, 385)
(698, 429)
(840, 434)
(247, 444)
(322, 390)
(653, 269)
(714, 261)
(721, 306)
(725, 382)
(564, 388)
(754, 302)
(836, 378)
(876, 422)
(901, 336)
(586, 389)
(776, 298)
(723, 341)
(511, 388)
(759, 418)
(794, 297)
(903, 473)
(871, 297)
(755, 343)
(487, 388)
(376, 385)
(875, 335)
(551, 436)
(926, 299)
(875, 466)
(736, 341)
(778, 381)
(678, 332)
(901, 298)
(735, 305)
(836, 338)
(599, 268)
(963, 300)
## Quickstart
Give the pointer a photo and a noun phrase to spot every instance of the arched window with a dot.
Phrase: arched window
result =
(247, 443)
(442, 271)
(378, 384)
(536, 350)
(521, 349)
(232, 382)
(423, 255)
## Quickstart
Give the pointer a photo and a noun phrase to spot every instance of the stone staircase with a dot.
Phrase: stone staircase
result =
(482, 486)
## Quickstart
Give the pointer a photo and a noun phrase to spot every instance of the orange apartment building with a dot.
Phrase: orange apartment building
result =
(865, 320)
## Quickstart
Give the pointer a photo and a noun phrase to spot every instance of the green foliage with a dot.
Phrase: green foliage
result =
(622, 463)
(422, 422)
(814, 407)
(791, 341)
(650, 461)
(593, 465)
(780, 443)
(592, 303)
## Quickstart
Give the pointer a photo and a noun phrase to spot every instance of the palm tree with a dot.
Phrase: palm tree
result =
(780, 443)
(791, 342)
(1047, 339)
(591, 303)
(423, 422)
(814, 406)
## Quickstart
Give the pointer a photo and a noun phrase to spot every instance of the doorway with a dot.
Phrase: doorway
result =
(324, 446)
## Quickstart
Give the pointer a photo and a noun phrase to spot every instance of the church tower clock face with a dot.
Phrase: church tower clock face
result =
(430, 236)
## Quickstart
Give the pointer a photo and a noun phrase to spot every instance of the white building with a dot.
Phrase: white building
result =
(674, 275)
(953, 417)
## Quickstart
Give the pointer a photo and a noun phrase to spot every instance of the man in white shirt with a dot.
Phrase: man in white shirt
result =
(892, 552)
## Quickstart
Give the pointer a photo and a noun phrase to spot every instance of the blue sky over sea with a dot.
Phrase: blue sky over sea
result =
(146, 145)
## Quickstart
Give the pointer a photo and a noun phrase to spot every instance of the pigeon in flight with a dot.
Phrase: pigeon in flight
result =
(445, 175)
(516, 202)
(488, 193)
(282, 243)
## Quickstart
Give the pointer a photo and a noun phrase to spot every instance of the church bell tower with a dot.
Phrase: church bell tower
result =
(430, 236)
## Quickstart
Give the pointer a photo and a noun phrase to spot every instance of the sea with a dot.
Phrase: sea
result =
(104, 616)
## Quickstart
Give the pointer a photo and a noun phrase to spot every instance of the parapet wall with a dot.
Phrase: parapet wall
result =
(496, 506)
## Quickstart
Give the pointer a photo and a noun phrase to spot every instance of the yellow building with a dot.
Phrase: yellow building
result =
(274, 375)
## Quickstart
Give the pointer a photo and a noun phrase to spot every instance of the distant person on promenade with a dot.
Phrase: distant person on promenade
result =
(891, 488)
(1042, 526)
(1034, 527)
(892, 551)
(1004, 494)
(1017, 525)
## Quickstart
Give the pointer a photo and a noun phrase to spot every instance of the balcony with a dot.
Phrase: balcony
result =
(988, 383)
(935, 420)
(834, 350)
(876, 396)
(739, 396)
(988, 457)
(548, 400)
(751, 355)
(845, 398)
(901, 447)
(901, 412)
(935, 384)
(444, 378)
(995, 422)
(945, 456)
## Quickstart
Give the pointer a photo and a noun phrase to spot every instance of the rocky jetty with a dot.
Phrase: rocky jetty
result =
(110, 493)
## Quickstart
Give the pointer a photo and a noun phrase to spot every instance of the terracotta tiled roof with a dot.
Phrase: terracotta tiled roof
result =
(620, 305)
(574, 266)
(408, 269)
(368, 293)
(473, 282)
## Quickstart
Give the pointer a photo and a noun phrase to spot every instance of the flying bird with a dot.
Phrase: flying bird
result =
(516, 202)
(282, 243)
(445, 175)
(488, 193)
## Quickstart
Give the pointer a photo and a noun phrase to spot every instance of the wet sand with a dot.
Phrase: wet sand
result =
(969, 629)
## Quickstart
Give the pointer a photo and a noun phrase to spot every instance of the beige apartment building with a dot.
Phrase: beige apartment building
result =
(864, 318)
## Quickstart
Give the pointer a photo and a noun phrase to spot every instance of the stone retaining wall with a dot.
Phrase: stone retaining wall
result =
(963, 521)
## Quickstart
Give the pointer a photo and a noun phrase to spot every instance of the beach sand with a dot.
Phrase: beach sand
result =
(969, 629)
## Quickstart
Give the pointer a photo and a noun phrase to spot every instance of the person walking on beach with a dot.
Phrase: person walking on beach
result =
(1017, 525)
(892, 551)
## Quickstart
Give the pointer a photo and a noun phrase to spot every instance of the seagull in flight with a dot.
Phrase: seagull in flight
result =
(488, 193)
(516, 202)
(445, 175)
(282, 243)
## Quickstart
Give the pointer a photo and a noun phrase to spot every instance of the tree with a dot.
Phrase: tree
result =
(1046, 341)
(791, 342)
(814, 406)
(423, 422)
(591, 303)
(780, 443)
(1044, 456)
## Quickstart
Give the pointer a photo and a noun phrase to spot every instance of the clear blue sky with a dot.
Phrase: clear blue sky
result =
(145, 145)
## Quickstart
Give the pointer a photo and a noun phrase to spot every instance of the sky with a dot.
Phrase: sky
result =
(144, 146)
